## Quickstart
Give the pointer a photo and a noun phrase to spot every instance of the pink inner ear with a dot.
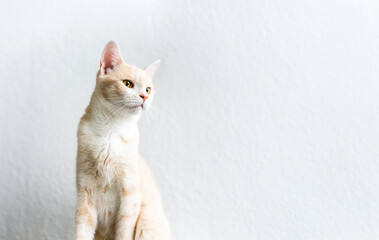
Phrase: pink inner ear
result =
(111, 57)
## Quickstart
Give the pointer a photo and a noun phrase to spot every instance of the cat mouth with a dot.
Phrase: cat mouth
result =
(136, 107)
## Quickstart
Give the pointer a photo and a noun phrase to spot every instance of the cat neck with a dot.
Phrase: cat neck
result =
(101, 117)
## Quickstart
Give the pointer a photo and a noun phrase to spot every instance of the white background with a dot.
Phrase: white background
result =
(264, 126)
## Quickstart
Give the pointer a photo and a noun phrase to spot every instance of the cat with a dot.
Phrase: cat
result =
(117, 197)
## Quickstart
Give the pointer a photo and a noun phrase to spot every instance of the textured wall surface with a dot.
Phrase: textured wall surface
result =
(264, 126)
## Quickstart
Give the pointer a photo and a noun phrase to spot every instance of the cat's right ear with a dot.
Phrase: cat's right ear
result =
(110, 58)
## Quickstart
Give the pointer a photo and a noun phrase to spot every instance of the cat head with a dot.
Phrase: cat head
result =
(124, 89)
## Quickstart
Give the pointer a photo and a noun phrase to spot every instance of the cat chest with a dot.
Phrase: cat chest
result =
(118, 146)
(107, 199)
(115, 174)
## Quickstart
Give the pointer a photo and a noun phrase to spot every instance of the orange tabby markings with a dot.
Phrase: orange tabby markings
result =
(82, 212)
(90, 221)
(130, 141)
(128, 191)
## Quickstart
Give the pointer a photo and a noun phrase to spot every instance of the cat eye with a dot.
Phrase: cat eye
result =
(148, 90)
(128, 83)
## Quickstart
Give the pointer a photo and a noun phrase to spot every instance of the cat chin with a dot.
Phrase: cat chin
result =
(136, 109)
(144, 107)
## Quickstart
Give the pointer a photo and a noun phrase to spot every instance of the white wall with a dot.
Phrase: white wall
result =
(264, 125)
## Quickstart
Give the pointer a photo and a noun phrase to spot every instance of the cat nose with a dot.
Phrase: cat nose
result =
(144, 97)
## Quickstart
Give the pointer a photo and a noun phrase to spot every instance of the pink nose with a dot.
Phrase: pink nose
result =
(144, 97)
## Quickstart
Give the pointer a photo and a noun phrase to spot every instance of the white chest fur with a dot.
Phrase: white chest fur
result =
(115, 151)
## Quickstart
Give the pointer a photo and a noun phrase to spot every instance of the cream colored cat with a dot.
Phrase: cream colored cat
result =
(117, 195)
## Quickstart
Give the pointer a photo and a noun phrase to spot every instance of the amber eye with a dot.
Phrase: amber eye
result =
(128, 83)
(148, 90)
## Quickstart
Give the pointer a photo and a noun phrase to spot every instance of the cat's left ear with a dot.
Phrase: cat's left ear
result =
(110, 58)
(152, 68)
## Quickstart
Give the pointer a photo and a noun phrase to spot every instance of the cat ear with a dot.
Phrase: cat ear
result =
(111, 57)
(152, 68)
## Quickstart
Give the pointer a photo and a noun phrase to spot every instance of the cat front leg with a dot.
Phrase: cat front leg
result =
(130, 202)
(86, 215)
